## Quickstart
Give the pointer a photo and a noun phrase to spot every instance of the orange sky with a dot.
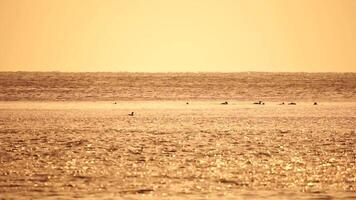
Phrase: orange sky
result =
(178, 35)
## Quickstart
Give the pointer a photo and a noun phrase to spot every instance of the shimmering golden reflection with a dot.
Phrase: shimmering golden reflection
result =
(203, 149)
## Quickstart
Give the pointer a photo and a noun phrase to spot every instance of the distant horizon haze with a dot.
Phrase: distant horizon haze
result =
(106, 86)
(158, 72)
(178, 36)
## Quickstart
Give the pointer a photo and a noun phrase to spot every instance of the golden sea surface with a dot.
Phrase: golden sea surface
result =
(250, 86)
(73, 140)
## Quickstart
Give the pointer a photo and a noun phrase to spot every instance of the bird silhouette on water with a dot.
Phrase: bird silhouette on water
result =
(131, 114)
(224, 103)
(259, 103)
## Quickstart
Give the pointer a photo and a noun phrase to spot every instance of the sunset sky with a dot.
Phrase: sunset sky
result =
(178, 35)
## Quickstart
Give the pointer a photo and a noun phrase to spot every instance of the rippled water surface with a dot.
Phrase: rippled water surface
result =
(53, 86)
(174, 150)
(63, 137)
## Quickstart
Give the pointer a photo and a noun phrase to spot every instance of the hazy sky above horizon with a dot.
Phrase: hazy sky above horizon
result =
(178, 35)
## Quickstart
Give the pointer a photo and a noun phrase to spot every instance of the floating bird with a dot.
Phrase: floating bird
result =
(281, 103)
(259, 103)
(131, 114)
(315, 103)
(292, 103)
(115, 103)
(187, 103)
(225, 103)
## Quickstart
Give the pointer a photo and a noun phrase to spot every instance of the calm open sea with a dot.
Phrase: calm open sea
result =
(178, 86)
(62, 136)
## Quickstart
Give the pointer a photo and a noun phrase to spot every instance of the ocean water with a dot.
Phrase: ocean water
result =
(177, 86)
(62, 136)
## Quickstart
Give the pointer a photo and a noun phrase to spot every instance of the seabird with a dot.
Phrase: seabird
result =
(131, 114)
(259, 103)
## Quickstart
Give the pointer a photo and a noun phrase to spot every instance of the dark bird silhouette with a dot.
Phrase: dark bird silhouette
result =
(281, 103)
(315, 103)
(259, 103)
(224, 103)
(292, 103)
(131, 114)
(187, 103)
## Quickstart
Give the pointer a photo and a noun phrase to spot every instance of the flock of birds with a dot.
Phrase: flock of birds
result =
(263, 103)
(226, 103)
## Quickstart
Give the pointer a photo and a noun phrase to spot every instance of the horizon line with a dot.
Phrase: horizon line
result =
(176, 72)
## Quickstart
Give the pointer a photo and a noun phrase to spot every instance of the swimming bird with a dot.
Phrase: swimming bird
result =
(259, 103)
(187, 103)
(281, 103)
(292, 103)
(315, 103)
(225, 103)
(131, 114)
